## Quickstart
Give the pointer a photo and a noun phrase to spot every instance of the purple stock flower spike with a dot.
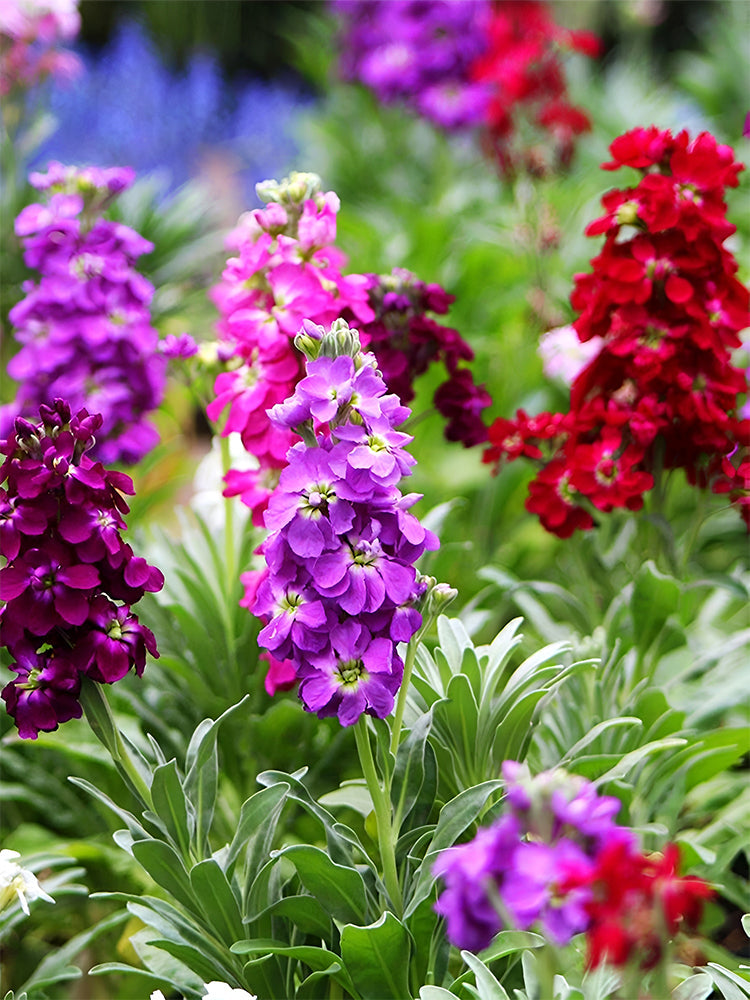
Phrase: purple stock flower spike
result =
(85, 326)
(339, 589)
(67, 566)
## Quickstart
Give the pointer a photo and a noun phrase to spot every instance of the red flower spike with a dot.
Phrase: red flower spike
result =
(664, 298)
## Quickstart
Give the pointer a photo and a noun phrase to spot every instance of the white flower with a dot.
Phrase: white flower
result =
(157, 995)
(564, 355)
(18, 884)
(223, 991)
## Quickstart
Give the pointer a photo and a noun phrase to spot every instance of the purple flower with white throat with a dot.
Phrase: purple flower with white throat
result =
(358, 673)
(340, 588)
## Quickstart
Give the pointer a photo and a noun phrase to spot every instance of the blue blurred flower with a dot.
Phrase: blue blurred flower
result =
(130, 108)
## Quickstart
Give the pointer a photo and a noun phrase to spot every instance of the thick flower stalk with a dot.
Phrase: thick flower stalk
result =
(493, 67)
(70, 581)
(339, 590)
(665, 307)
(557, 861)
(289, 270)
(85, 325)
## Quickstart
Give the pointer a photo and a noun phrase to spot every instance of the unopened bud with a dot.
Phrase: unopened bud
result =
(340, 341)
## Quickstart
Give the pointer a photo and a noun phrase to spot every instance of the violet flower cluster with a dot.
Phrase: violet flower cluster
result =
(70, 579)
(85, 325)
(531, 867)
(420, 54)
(339, 589)
(406, 340)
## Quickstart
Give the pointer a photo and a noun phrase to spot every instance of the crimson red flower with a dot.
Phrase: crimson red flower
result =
(522, 69)
(67, 564)
(638, 903)
(665, 301)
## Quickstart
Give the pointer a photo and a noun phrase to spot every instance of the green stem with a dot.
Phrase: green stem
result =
(382, 806)
(398, 717)
(546, 968)
(99, 717)
(228, 516)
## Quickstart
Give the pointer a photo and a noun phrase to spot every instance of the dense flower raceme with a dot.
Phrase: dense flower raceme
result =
(665, 307)
(557, 861)
(85, 326)
(30, 34)
(339, 588)
(70, 580)
(406, 340)
(287, 270)
(492, 66)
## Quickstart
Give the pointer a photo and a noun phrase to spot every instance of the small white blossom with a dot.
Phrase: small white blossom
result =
(157, 995)
(18, 884)
(223, 991)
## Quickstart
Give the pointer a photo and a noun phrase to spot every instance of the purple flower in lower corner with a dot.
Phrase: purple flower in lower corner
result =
(532, 868)
(68, 567)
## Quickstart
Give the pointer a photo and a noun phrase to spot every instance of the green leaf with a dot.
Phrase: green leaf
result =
(256, 828)
(339, 889)
(309, 989)
(631, 760)
(697, 987)
(409, 773)
(508, 942)
(377, 957)
(455, 817)
(306, 913)
(202, 767)
(338, 847)
(217, 900)
(654, 598)
(54, 968)
(165, 867)
(488, 988)
(731, 986)
(353, 794)
(497, 655)
(171, 805)
(725, 747)
(318, 959)
(128, 818)
(194, 958)
(595, 732)
(435, 993)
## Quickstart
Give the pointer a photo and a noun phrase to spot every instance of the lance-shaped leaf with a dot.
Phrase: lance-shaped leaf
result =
(377, 957)
(341, 890)
(217, 900)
